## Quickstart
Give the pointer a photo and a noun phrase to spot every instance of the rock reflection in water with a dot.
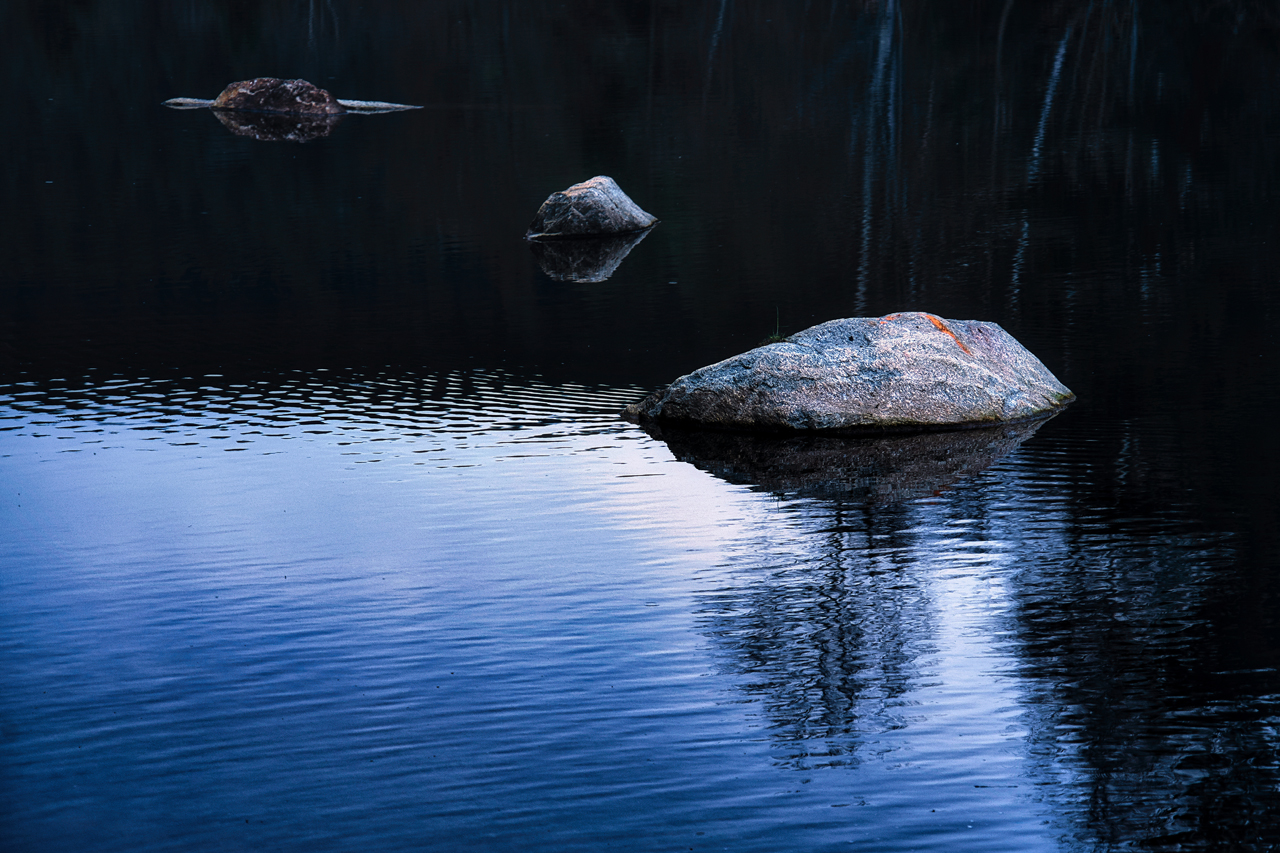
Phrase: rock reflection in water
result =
(1086, 653)
(274, 127)
(856, 623)
(878, 470)
(584, 259)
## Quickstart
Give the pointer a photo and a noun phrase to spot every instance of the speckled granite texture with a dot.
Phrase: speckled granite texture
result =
(900, 372)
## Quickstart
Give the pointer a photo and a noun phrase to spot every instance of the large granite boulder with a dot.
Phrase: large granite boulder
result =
(591, 208)
(273, 95)
(910, 371)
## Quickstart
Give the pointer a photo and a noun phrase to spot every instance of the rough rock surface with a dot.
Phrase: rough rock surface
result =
(273, 95)
(597, 206)
(911, 371)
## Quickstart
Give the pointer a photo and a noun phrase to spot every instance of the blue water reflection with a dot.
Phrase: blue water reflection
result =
(528, 626)
(438, 595)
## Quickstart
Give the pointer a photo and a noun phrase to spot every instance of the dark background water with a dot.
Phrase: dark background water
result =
(1097, 177)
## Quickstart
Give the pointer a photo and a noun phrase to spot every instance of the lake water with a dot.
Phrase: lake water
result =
(320, 529)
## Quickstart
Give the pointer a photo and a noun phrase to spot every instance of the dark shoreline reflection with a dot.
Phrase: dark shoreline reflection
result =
(883, 469)
(584, 259)
(276, 127)
(1171, 746)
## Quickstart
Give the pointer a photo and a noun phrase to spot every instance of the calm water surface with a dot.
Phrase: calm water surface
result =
(319, 529)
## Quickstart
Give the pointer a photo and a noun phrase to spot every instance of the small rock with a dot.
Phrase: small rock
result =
(594, 207)
(273, 95)
(910, 371)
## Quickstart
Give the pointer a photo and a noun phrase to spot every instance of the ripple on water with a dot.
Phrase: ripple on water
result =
(533, 617)
(355, 410)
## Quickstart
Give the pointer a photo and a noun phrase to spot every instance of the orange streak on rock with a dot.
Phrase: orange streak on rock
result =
(938, 324)
(942, 327)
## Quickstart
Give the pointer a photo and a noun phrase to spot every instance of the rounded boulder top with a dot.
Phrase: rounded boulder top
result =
(592, 208)
(273, 95)
(908, 371)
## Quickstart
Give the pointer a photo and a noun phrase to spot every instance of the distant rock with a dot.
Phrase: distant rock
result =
(910, 371)
(366, 107)
(591, 208)
(274, 110)
(273, 95)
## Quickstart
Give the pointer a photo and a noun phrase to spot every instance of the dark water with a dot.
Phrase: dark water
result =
(319, 529)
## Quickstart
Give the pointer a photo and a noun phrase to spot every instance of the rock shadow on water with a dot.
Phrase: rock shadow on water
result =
(874, 470)
(584, 259)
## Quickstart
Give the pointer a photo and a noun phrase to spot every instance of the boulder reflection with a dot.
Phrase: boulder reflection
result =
(877, 470)
(584, 259)
(831, 644)
(874, 624)
(277, 127)
(840, 633)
